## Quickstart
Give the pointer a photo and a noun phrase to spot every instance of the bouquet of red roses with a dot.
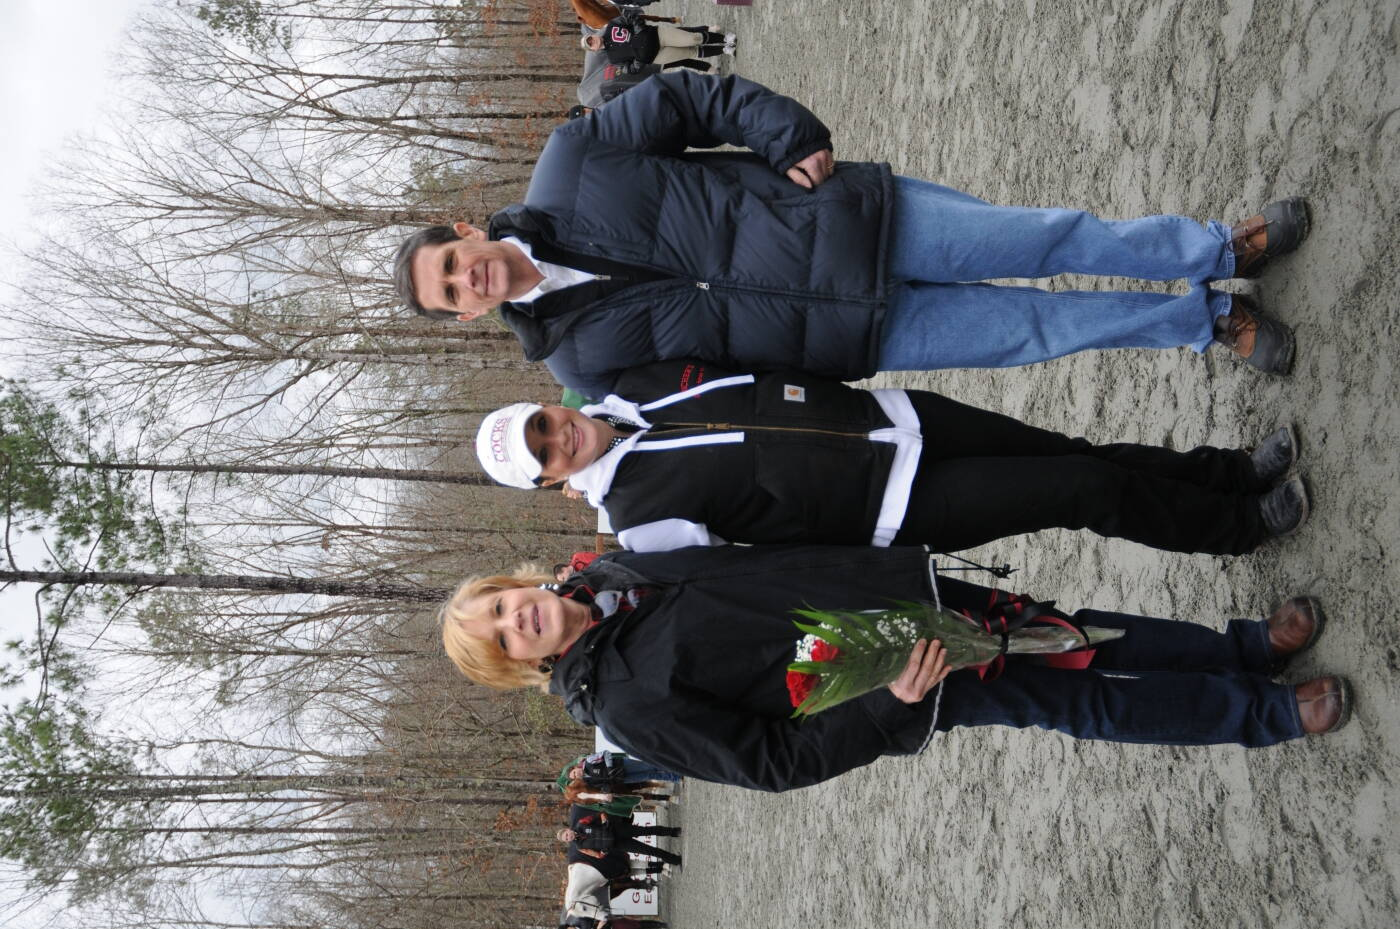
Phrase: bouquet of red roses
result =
(846, 653)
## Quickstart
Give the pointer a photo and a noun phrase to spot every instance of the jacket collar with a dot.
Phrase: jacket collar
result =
(521, 221)
(590, 661)
(596, 480)
(541, 324)
(593, 659)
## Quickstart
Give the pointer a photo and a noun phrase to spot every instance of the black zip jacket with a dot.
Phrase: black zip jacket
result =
(600, 775)
(694, 679)
(714, 256)
(781, 457)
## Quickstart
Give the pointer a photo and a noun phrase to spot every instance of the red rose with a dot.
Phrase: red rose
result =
(800, 686)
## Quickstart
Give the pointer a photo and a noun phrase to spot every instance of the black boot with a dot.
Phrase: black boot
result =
(1285, 508)
(1275, 456)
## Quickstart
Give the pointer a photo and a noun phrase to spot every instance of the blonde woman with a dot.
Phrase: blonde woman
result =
(681, 658)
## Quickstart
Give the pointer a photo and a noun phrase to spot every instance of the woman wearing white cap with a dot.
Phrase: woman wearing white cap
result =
(686, 454)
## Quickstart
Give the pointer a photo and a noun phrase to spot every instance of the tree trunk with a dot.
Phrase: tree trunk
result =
(264, 584)
(387, 474)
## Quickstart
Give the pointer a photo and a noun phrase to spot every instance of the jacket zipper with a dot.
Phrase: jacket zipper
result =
(703, 285)
(730, 427)
(667, 274)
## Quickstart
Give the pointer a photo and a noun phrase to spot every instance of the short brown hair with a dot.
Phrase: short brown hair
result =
(482, 660)
(403, 268)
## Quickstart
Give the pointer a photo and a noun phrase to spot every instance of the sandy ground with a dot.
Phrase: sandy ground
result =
(1124, 107)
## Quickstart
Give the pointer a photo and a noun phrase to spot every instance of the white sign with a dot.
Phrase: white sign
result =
(639, 902)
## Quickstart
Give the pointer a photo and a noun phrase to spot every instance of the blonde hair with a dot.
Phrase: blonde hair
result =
(482, 660)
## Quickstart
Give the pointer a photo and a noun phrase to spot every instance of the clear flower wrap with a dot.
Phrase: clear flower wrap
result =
(846, 653)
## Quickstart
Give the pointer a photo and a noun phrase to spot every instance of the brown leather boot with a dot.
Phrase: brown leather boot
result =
(1294, 627)
(1277, 230)
(1324, 704)
(1260, 340)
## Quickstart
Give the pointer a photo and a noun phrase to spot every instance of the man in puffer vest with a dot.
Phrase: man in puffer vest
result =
(629, 248)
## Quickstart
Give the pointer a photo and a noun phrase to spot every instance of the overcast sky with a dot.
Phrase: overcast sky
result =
(53, 82)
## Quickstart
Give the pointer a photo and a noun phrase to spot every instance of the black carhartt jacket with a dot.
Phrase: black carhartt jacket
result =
(694, 679)
(766, 458)
(714, 256)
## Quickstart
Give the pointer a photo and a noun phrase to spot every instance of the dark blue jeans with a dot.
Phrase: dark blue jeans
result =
(1164, 683)
(634, 769)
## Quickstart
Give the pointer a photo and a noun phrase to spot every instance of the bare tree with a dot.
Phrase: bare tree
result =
(228, 305)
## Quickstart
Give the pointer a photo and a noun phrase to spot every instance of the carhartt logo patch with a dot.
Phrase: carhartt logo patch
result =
(620, 35)
(794, 394)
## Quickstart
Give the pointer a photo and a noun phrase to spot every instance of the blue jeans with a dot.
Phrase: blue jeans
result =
(943, 239)
(637, 770)
(1164, 683)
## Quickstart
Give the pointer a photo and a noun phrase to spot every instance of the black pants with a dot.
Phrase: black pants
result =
(625, 840)
(983, 476)
(623, 884)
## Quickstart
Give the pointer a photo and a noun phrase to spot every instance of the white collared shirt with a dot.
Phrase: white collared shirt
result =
(556, 277)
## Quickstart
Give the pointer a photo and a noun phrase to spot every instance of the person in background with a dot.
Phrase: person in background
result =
(596, 834)
(617, 803)
(577, 562)
(610, 771)
(628, 38)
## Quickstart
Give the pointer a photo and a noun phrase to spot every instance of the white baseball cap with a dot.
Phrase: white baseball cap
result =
(501, 448)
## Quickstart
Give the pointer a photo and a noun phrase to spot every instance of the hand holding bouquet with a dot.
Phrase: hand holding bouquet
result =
(848, 653)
